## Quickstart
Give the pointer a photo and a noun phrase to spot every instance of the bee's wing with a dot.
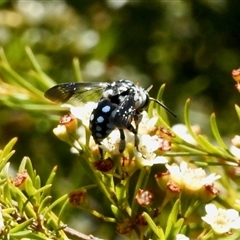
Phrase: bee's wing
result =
(86, 91)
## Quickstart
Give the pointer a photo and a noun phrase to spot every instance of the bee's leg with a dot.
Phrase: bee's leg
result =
(99, 149)
(137, 119)
(101, 152)
(122, 143)
(136, 141)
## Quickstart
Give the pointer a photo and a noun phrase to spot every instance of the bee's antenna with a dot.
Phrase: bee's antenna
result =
(162, 105)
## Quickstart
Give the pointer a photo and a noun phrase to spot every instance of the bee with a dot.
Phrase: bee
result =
(119, 104)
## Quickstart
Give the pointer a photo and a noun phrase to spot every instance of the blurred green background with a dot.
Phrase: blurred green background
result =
(190, 45)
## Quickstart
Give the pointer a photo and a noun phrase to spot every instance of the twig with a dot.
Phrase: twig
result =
(78, 235)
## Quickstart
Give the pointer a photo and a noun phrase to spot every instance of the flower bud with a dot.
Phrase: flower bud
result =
(70, 122)
(128, 165)
(238, 86)
(236, 74)
(61, 132)
(66, 128)
(207, 193)
(236, 77)
(236, 141)
(162, 179)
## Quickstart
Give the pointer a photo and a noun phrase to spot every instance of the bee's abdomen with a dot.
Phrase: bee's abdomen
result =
(100, 124)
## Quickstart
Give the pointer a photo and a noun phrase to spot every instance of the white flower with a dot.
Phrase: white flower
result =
(181, 237)
(193, 179)
(182, 131)
(61, 132)
(111, 143)
(235, 151)
(236, 141)
(147, 124)
(146, 155)
(83, 112)
(221, 220)
(2, 226)
(148, 144)
(149, 162)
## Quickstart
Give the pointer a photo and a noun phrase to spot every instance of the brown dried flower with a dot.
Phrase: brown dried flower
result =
(70, 122)
(77, 198)
(124, 227)
(20, 178)
(104, 165)
(144, 197)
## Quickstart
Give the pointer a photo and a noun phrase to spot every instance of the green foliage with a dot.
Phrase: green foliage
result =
(25, 204)
(28, 207)
(190, 45)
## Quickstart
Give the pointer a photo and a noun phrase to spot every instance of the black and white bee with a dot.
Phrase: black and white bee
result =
(118, 105)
